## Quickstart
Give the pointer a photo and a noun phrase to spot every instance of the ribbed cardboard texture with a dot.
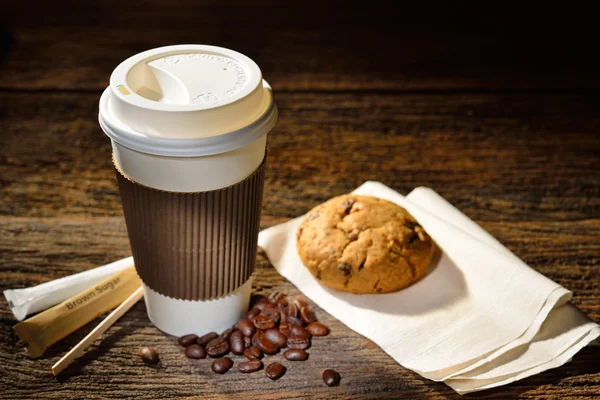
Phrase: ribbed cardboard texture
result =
(193, 246)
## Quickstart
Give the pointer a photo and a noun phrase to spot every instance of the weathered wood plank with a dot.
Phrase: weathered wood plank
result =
(353, 104)
(33, 251)
(498, 158)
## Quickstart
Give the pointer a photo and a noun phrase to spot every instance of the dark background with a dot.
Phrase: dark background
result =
(392, 46)
(496, 108)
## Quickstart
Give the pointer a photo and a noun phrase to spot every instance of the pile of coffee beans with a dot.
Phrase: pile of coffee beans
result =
(271, 325)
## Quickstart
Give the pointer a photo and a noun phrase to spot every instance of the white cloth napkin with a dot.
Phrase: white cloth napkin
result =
(480, 317)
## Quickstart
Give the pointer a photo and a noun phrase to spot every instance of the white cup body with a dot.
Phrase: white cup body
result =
(185, 175)
(190, 174)
(180, 317)
(163, 146)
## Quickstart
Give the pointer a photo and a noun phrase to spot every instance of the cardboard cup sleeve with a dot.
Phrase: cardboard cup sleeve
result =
(193, 246)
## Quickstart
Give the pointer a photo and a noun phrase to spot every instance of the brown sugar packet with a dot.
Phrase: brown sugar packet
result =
(52, 325)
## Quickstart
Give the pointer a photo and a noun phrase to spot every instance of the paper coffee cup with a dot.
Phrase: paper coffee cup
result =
(188, 128)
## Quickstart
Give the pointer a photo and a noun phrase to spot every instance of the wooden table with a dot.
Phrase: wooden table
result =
(502, 121)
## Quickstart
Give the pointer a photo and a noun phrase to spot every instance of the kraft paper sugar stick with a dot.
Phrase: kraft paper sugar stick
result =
(52, 325)
(26, 301)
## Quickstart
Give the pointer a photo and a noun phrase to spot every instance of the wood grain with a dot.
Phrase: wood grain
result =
(112, 366)
(496, 157)
(501, 120)
(524, 166)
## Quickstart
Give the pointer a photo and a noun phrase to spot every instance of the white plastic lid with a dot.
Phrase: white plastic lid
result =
(187, 100)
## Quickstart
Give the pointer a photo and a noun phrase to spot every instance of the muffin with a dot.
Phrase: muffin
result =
(363, 244)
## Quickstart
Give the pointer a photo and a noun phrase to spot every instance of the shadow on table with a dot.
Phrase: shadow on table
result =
(442, 285)
(547, 384)
(115, 334)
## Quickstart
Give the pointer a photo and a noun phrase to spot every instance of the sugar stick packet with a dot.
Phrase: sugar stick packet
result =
(26, 301)
(52, 325)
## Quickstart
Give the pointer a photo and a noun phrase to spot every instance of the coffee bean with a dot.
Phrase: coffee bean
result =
(292, 310)
(295, 320)
(298, 342)
(275, 371)
(317, 329)
(236, 343)
(265, 346)
(250, 315)
(262, 304)
(217, 347)
(250, 366)
(195, 351)
(246, 327)
(187, 339)
(307, 315)
(331, 378)
(295, 355)
(263, 322)
(299, 302)
(247, 341)
(203, 340)
(221, 365)
(284, 318)
(283, 314)
(297, 330)
(284, 328)
(275, 337)
(272, 313)
(227, 334)
(276, 297)
(253, 353)
(149, 355)
(256, 336)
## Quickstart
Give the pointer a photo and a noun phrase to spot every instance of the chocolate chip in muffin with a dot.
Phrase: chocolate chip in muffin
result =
(347, 205)
(345, 268)
(313, 216)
